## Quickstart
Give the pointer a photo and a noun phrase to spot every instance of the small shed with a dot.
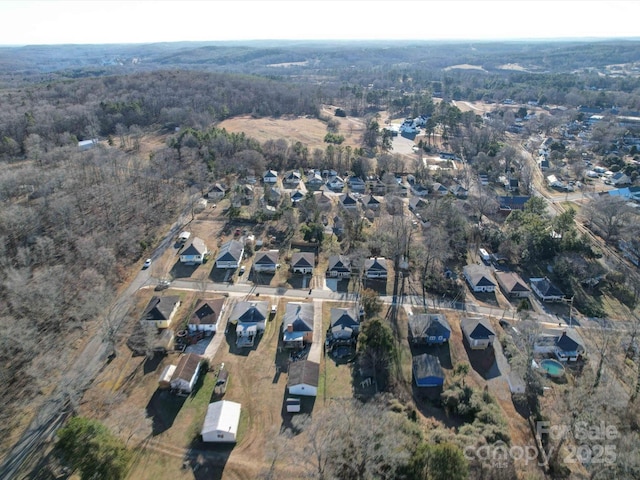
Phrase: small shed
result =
(164, 382)
(427, 371)
(221, 422)
(303, 378)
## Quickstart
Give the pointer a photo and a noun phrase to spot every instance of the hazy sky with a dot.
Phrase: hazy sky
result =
(94, 21)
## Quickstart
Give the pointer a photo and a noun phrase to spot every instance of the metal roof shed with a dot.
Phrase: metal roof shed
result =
(221, 422)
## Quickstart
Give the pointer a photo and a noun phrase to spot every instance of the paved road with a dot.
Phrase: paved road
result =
(78, 377)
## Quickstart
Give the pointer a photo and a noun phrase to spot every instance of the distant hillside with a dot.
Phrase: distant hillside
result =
(317, 58)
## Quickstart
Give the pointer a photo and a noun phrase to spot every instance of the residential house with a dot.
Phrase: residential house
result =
(270, 176)
(303, 378)
(459, 191)
(314, 181)
(186, 373)
(160, 311)
(403, 189)
(339, 267)
(439, 189)
(566, 345)
(194, 252)
(296, 196)
(322, 200)
(266, 261)
(230, 254)
(336, 184)
(371, 201)
(427, 371)
(620, 179)
(247, 194)
(417, 203)
(272, 195)
(250, 177)
(375, 267)
(545, 290)
(512, 285)
(217, 192)
(348, 201)
(344, 324)
(429, 329)
(206, 315)
(478, 332)
(297, 325)
(378, 187)
(507, 204)
(479, 278)
(221, 422)
(303, 262)
(419, 190)
(250, 319)
(292, 179)
(356, 184)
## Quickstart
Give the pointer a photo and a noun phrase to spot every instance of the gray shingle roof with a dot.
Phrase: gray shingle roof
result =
(230, 251)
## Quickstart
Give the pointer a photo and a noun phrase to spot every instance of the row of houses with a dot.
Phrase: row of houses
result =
(480, 278)
(434, 329)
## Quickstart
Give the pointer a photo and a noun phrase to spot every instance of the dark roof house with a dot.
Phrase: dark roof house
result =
(160, 310)
(546, 290)
(429, 328)
(478, 332)
(339, 266)
(206, 314)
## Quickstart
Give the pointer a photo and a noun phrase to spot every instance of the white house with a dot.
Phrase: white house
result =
(270, 176)
(230, 254)
(266, 261)
(302, 262)
(303, 378)
(479, 278)
(478, 332)
(186, 373)
(160, 311)
(206, 315)
(375, 267)
(221, 422)
(194, 252)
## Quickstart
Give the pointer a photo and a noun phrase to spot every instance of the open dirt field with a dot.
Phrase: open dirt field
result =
(309, 131)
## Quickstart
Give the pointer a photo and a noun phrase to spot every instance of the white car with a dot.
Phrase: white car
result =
(147, 263)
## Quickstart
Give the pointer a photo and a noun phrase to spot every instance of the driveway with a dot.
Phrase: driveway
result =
(315, 353)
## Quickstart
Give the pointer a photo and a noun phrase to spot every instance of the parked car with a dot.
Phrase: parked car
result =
(163, 285)
(147, 263)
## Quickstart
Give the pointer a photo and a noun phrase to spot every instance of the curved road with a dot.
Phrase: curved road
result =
(77, 378)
